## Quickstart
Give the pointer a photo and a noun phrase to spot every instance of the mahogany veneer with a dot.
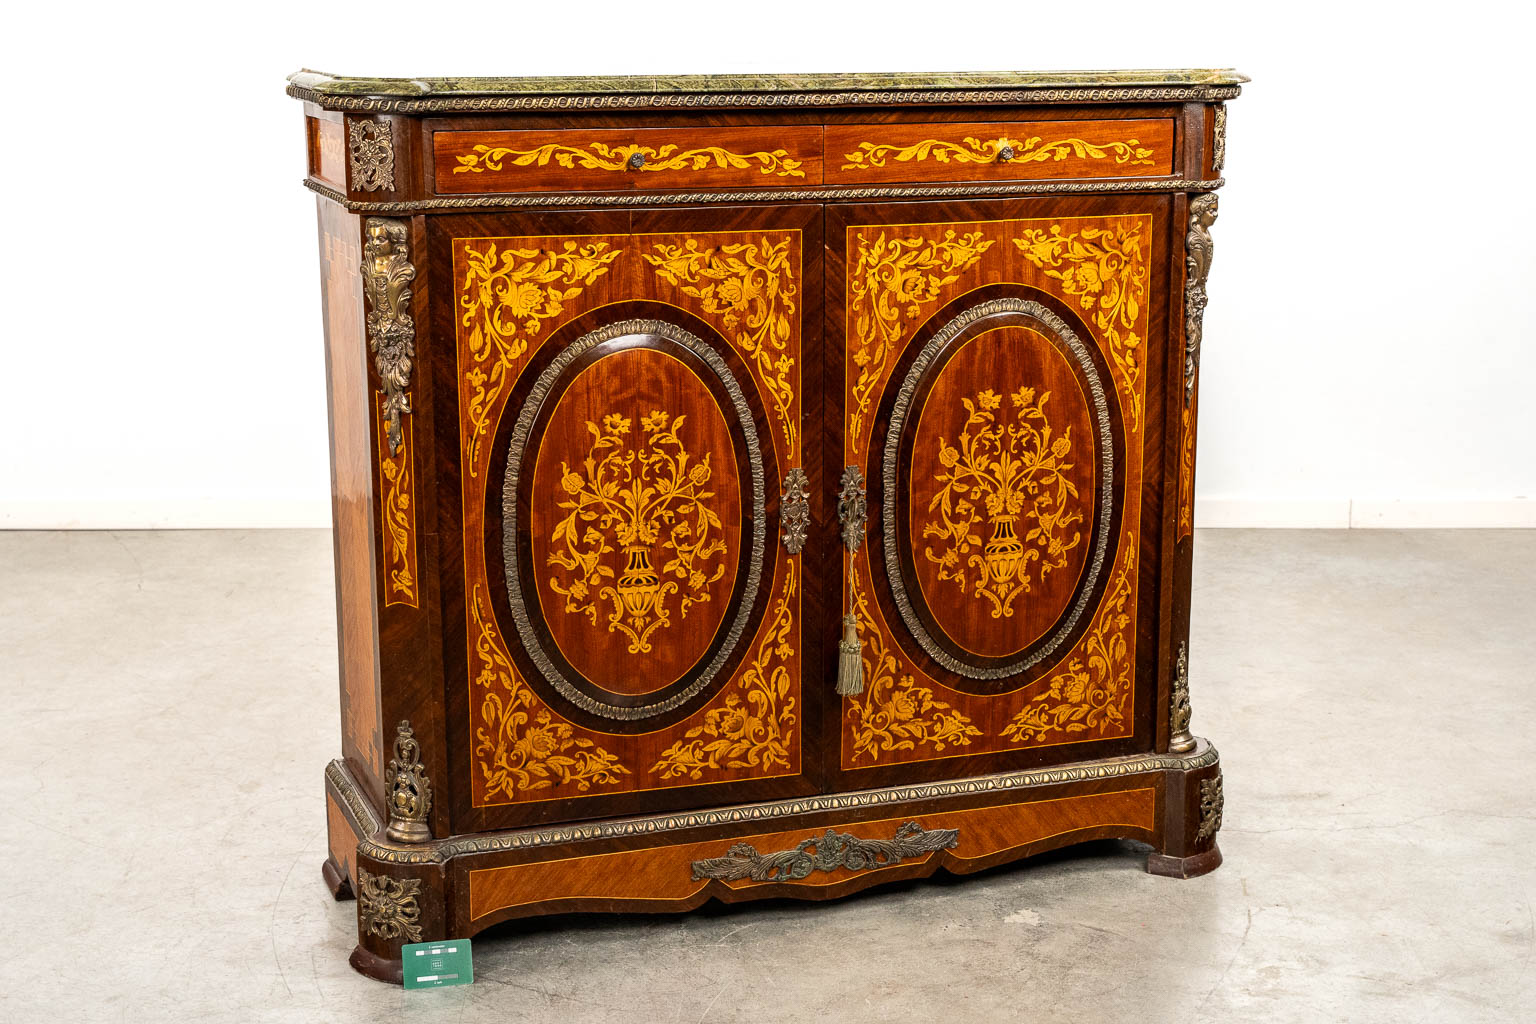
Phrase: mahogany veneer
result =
(766, 486)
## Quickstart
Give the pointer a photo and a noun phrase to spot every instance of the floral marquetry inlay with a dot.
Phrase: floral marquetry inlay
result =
(630, 494)
(1034, 149)
(599, 156)
(397, 514)
(755, 726)
(1106, 270)
(894, 713)
(890, 282)
(1090, 693)
(520, 745)
(505, 297)
(1009, 472)
(751, 287)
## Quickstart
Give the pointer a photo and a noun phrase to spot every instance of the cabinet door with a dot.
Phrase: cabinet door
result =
(628, 630)
(998, 379)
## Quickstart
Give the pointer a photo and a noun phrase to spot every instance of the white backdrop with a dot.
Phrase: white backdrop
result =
(1369, 349)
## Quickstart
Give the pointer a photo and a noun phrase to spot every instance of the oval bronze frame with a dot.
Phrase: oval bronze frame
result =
(941, 340)
(537, 394)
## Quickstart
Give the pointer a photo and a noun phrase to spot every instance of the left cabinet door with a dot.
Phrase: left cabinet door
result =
(625, 626)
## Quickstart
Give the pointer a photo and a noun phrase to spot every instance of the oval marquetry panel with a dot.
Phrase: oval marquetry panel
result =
(999, 467)
(633, 519)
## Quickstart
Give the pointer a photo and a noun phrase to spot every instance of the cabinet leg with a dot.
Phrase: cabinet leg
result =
(337, 881)
(397, 904)
(1192, 810)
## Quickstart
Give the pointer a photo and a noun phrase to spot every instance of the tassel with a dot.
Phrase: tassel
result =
(850, 666)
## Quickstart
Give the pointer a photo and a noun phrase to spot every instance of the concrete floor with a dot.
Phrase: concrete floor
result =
(170, 704)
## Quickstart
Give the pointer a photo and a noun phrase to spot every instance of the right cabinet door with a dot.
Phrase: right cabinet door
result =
(999, 381)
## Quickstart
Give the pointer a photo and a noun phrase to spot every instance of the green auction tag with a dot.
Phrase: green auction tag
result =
(429, 964)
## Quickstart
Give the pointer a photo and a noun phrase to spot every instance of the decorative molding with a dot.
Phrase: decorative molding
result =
(555, 200)
(902, 408)
(751, 288)
(408, 789)
(372, 148)
(506, 296)
(1087, 698)
(1197, 261)
(755, 732)
(1179, 739)
(340, 778)
(598, 156)
(795, 509)
(691, 100)
(1219, 139)
(1003, 150)
(1107, 271)
(894, 712)
(770, 811)
(387, 276)
(521, 433)
(828, 852)
(397, 514)
(387, 907)
(1212, 802)
(887, 285)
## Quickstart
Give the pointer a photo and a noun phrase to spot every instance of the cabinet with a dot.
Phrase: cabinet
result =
(757, 487)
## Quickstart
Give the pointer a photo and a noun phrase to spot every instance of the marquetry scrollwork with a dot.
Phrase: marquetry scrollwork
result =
(894, 713)
(598, 156)
(1179, 739)
(1106, 270)
(521, 746)
(637, 496)
(827, 852)
(408, 788)
(755, 726)
(1034, 149)
(1186, 521)
(388, 908)
(1089, 696)
(387, 276)
(890, 281)
(1007, 468)
(372, 147)
(795, 510)
(1212, 802)
(398, 517)
(506, 296)
(1197, 261)
(751, 287)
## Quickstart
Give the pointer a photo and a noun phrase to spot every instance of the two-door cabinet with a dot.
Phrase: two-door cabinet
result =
(767, 486)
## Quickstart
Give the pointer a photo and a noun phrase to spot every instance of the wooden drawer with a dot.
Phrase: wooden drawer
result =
(624, 158)
(998, 150)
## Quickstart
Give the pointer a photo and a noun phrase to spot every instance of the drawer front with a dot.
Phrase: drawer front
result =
(762, 156)
(999, 151)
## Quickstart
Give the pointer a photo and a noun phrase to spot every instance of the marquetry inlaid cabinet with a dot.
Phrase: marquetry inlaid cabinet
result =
(761, 486)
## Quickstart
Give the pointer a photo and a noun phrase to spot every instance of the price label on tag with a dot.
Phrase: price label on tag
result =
(430, 964)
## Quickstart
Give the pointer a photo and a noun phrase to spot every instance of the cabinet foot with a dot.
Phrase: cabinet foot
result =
(336, 881)
(377, 967)
(1184, 867)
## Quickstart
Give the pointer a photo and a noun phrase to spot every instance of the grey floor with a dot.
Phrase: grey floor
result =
(169, 705)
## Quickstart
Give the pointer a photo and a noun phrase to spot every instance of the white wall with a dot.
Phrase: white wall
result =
(1370, 347)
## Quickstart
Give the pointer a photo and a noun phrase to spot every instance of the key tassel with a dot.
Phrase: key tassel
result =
(850, 666)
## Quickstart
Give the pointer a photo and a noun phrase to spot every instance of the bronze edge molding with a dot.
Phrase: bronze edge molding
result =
(763, 195)
(441, 851)
(340, 778)
(696, 101)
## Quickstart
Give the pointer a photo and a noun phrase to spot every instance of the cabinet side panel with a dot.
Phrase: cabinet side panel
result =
(351, 491)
